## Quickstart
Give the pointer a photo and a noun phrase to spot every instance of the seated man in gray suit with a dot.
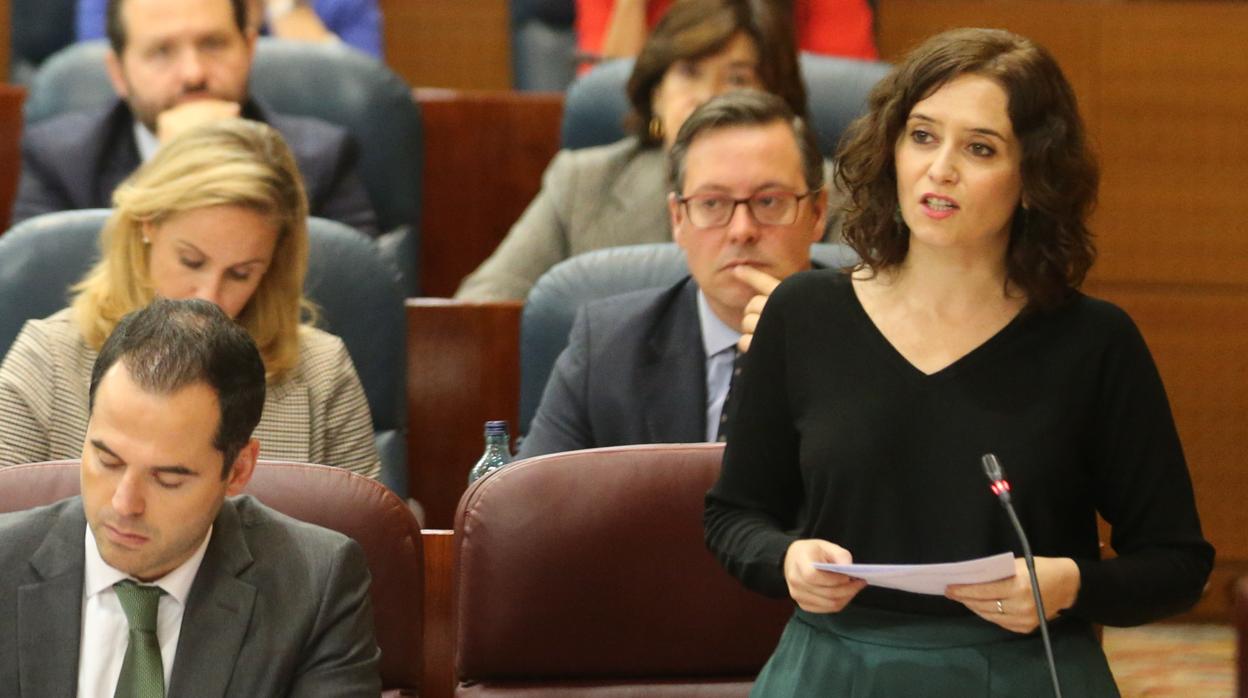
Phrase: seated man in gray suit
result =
(152, 579)
(748, 199)
(175, 64)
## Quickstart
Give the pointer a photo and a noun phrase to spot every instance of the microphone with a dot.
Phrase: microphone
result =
(1001, 488)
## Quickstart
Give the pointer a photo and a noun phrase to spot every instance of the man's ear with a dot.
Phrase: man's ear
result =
(677, 215)
(244, 467)
(116, 75)
(819, 207)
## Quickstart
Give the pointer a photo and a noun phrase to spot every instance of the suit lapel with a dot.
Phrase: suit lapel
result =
(673, 376)
(218, 612)
(119, 156)
(49, 612)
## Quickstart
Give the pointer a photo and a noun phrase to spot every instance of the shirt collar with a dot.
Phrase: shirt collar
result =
(146, 140)
(99, 575)
(716, 336)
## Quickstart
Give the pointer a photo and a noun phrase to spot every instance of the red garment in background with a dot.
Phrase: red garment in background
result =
(831, 27)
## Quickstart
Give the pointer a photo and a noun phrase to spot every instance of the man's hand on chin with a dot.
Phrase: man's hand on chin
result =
(188, 115)
(763, 284)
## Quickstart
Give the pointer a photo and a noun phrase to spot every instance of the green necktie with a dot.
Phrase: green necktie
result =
(142, 674)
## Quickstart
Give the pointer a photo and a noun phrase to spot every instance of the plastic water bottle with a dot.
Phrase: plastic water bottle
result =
(497, 451)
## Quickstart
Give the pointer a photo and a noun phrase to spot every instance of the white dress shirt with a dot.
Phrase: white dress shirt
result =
(718, 340)
(105, 630)
(146, 140)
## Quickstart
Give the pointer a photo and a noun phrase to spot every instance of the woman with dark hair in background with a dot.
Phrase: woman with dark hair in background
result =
(617, 194)
(869, 396)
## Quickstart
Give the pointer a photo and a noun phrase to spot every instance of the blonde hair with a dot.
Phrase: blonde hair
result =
(227, 163)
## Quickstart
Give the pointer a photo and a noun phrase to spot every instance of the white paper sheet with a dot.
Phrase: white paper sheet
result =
(929, 579)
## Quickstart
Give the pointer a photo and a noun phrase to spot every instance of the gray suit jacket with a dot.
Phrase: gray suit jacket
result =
(590, 198)
(634, 371)
(279, 607)
(76, 160)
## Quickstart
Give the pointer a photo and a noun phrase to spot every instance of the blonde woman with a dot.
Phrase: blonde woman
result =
(219, 214)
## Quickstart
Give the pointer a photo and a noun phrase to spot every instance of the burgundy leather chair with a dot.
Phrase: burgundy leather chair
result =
(331, 497)
(585, 574)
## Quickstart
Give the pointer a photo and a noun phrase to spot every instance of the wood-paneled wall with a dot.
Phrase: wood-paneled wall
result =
(1164, 89)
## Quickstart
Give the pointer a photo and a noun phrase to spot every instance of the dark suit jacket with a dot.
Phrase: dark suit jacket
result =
(278, 608)
(76, 160)
(634, 371)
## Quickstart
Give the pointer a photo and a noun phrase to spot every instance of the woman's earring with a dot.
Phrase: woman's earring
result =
(146, 241)
(899, 224)
(656, 128)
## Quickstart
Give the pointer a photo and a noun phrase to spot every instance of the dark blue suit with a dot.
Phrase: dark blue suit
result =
(634, 372)
(76, 160)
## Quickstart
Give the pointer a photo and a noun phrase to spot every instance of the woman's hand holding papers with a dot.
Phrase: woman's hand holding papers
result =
(814, 590)
(1009, 602)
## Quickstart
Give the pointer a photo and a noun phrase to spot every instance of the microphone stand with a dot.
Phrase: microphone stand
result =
(1001, 488)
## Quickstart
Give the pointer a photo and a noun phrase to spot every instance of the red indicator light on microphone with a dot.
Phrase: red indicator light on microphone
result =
(1000, 486)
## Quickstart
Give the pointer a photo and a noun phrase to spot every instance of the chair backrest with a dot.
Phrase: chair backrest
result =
(836, 90)
(325, 81)
(44, 27)
(590, 567)
(552, 304)
(356, 290)
(543, 44)
(337, 499)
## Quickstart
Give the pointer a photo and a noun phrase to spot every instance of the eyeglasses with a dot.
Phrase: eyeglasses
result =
(767, 207)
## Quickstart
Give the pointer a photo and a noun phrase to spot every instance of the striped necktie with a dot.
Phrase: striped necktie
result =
(142, 673)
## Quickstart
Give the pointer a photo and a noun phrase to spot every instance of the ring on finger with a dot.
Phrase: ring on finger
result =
(1000, 607)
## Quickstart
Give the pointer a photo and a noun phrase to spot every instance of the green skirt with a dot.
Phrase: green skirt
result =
(869, 653)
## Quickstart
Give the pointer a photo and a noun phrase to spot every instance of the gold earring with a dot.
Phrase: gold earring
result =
(656, 128)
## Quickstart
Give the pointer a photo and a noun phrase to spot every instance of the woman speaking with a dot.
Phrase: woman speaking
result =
(869, 397)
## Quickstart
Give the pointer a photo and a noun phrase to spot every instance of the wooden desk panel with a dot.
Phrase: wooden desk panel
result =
(463, 368)
(465, 44)
(438, 604)
(11, 98)
(484, 157)
(6, 41)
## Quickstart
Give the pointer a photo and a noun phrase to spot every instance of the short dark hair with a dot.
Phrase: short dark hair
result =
(1050, 248)
(169, 345)
(116, 29)
(693, 29)
(744, 108)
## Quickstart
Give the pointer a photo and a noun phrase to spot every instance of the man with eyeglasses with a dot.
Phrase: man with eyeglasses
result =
(747, 200)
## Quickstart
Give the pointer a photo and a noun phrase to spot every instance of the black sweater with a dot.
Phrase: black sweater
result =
(836, 436)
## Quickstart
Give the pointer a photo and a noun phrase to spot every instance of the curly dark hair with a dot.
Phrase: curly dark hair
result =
(694, 29)
(1050, 248)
